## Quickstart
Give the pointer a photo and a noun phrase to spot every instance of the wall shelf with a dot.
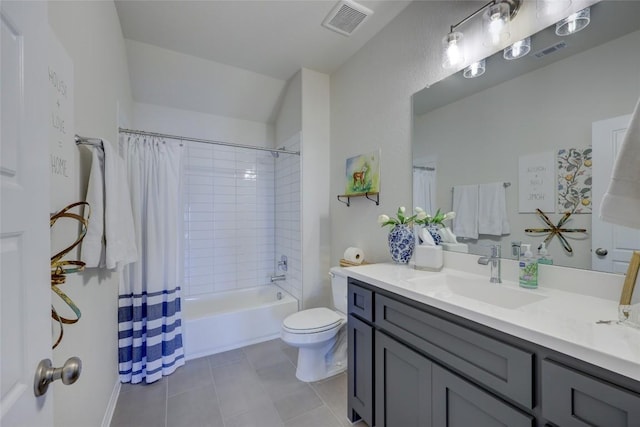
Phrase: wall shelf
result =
(346, 198)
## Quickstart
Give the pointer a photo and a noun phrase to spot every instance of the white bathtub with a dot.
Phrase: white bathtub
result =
(227, 320)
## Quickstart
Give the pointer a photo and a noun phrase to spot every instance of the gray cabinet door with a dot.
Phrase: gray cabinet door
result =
(403, 385)
(458, 403)
(360, 373)
(573, 399)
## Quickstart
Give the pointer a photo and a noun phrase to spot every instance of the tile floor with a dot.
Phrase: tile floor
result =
(254, 386)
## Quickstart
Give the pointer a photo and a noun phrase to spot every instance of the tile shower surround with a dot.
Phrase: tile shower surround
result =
(232, 197)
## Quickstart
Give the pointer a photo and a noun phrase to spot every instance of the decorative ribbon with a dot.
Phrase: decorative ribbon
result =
(556, 230)
(59, 268)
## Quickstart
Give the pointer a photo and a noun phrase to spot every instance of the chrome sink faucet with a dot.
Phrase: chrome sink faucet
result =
(494, 259)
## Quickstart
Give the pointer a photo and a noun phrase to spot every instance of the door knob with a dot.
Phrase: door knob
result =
(46, 374)
(601, 252)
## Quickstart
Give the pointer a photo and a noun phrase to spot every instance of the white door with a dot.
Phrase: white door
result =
(614, 243)
(24, 225)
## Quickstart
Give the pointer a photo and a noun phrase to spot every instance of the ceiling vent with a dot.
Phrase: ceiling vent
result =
(346, 17)
(551, 49)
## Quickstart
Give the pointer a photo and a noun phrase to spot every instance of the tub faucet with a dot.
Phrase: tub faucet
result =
(494, 259)
(278, 278)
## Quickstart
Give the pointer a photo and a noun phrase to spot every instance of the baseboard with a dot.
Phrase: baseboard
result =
(111, 407)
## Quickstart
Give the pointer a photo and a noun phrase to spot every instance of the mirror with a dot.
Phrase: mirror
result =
(477, 131)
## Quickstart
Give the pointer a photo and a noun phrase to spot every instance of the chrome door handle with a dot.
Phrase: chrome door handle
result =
(601, 252)
(46, 374)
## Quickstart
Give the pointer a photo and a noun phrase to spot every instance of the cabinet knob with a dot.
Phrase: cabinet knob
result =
(601, 252)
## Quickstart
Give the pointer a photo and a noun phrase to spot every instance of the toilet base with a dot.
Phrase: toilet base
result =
(316, 363)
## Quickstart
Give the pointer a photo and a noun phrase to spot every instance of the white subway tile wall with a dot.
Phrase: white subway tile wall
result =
(287, 224)
(229, 216)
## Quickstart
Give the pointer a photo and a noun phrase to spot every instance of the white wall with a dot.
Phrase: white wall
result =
(289, 118)
(554, 108)
(315, 188)
(371, 109)
(90, 32)
(174, 121)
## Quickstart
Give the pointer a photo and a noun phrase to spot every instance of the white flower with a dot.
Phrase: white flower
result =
(419, 209)
(401, 209)
(449, 215)
(421, 214)
(383, 218)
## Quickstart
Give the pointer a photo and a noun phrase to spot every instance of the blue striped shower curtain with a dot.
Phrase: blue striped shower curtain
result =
(149, 315)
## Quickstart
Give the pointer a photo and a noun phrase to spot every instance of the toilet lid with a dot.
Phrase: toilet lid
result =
(312, 320)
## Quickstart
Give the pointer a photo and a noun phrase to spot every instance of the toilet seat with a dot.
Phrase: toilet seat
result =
(312, 321)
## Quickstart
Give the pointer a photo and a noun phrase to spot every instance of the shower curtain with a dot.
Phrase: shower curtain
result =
(149, 315)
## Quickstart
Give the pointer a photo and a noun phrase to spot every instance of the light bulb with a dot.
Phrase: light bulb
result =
(453, 50)
(518, 49)
(495, 20)
(474, 70)
(574, 22)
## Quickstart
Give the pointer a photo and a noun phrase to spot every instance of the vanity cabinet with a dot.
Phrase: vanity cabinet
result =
(411, 364)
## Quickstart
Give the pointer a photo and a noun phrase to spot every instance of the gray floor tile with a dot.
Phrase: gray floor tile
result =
(280, 380)
(127, 387)
(319, 417)
(194, 374)
(144, 407)
(197, 407)
(333, 391)
(225, 358)
(262, 416)
(292, 354)
(301, 401)
(253, 386)
(236, 399)
(234, 373)
(266, 354)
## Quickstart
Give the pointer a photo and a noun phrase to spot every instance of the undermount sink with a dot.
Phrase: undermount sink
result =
(477, 288)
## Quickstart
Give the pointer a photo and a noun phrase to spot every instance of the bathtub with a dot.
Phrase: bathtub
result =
(227, 320)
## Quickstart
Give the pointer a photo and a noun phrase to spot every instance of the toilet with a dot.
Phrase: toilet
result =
(320, 334)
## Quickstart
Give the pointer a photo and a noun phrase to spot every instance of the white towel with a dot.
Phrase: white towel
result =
(111, 222)
(92, 252)
(492, 209)
(465, 205)
(621, 202)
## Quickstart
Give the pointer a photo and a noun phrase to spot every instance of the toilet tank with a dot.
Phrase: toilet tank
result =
(339, 288)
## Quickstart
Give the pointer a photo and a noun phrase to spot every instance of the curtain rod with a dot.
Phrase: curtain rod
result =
(207, 141)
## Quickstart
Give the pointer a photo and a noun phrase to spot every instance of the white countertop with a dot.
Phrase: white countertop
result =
(562, 321)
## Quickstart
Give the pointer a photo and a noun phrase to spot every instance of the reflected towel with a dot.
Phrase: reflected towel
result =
(492, 209)
(621, 202)
(465, 205)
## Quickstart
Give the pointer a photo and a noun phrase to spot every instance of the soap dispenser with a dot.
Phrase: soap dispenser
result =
(528, 268)
(543, 255)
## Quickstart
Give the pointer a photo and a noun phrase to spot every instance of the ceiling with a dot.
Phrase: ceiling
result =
(268, 40)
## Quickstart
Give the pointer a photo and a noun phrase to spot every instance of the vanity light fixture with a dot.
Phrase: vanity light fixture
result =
(495, 21)
(496, 17)
(452, 49)
(475, 70)
(517, 50)
(551, 7)
(574, 22)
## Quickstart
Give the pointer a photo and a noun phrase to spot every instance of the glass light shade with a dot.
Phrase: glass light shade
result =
(452, 50)
(551, 7)
(574, 22)
(495, 21)
(518, 49)
(475, 70)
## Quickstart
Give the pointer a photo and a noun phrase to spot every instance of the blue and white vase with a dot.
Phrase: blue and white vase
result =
(433, 230)
(401, 243)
